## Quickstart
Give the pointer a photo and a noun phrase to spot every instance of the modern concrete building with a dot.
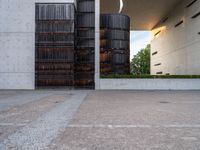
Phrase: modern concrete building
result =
(175, 26)
(174, 23)
(176, 41)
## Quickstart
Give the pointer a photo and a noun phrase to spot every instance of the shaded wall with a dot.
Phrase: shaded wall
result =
(175, 47)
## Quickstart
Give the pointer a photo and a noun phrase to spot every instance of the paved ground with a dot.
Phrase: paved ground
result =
(101, 120)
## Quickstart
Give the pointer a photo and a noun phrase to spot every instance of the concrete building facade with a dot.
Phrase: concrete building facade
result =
(175, 27)
(177, 47)
(17, 40)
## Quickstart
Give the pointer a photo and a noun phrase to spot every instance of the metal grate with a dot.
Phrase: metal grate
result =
(85, 44)
(54, 45)
(115, 41)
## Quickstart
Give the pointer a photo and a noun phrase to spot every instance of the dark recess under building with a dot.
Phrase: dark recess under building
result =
(65, 44)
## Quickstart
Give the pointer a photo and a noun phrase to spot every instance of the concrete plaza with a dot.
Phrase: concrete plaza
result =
(102, 120)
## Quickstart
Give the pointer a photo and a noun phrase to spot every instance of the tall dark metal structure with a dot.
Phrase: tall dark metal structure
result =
(65, 44)
(115, 44)
(85, 43)
(55, 44)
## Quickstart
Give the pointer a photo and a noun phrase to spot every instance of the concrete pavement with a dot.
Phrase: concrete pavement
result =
(103, 120)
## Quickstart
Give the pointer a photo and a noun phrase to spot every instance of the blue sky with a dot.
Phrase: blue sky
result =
(139, 40)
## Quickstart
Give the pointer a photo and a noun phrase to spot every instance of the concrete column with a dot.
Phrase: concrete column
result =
(17, 46)
(97, 44)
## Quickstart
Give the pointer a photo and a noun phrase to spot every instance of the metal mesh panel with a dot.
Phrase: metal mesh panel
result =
(55, 26)
(85, 44)
(115, 21)
(86, 6)
(55, 12)
(85, 20)
(87, 34)
(54, 45)
(115, 34)
(115, 44)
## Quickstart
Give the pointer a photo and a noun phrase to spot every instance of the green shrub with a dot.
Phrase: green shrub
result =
(116, 76)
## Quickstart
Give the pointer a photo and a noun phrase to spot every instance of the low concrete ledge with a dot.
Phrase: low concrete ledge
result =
(149, 84)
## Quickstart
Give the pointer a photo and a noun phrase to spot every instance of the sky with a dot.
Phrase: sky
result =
(139, 40)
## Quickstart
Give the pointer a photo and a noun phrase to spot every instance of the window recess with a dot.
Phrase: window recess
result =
(154, 53)
(190, 4)
(165, 19)
(157, 64)
(196, 15)
(159, 73)
(179, 23)
(157, 33)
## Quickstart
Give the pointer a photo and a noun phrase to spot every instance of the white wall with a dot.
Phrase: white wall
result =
(150, 84)
(178, 48)
(17, 43)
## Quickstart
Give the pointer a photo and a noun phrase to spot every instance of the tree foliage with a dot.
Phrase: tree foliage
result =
(140, 64)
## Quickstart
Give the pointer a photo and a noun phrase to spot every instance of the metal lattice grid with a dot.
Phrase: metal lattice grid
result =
(85, 44)
(115, 44)
(55, 44)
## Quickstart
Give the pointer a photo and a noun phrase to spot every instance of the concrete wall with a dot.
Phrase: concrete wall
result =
(97, 43)
(178, 47)
(150, 84)
(17, 43)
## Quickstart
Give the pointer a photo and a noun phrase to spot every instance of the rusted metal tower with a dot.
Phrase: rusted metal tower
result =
(85, 44)
(115, 44)
(54, 44)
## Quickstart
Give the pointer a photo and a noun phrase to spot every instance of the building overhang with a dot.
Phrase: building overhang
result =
(144, 14)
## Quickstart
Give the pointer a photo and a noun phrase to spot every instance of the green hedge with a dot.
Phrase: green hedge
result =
(116, 76)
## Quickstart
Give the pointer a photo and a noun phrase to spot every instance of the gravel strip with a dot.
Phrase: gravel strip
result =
(18, 117)
(41, 132)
